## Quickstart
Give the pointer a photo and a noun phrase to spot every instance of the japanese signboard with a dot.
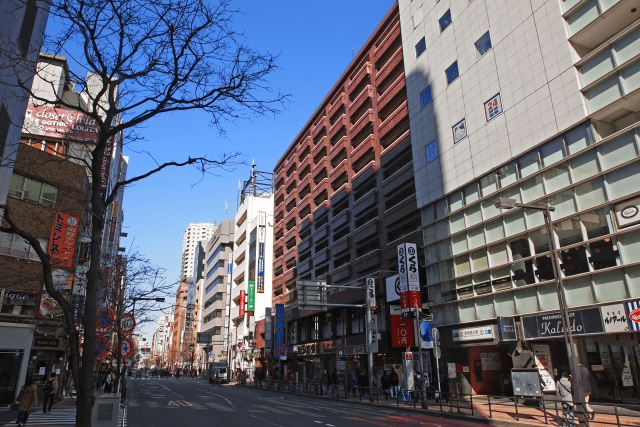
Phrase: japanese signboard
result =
(403, 280)
(251, 297)
(401, 329)
(106, 163)
(413, 281)
(393, 288)
(279, 330)
(371, 292)
(62, 240)
(60, 123)
(243, 296)
(472, 334)
(614, 318)
(373, 333)
(493, 107)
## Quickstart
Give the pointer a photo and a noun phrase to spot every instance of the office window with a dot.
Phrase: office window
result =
(425, 97)
(421, 47)
(483, 44)
(14, 245)
(445, 20)
(26, 29)
(32, 190)
(452, 72)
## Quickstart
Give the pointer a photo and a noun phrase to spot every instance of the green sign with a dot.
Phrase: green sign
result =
(251, 297)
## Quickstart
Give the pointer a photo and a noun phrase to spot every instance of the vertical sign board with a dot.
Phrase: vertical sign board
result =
(62, 240)
(279, 331)
(241, 303)
(407, 368)
(402, 276)
(251, 297)
(227, 314)
(401, 329)
(268, 332)
(371, 292)
(373, 333)
(262, 232)
(413, 279)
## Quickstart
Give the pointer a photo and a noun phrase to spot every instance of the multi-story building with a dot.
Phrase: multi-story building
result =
(22, 26)
(160, 341)
(48, 195)
(536, 101)
(178, 352)
(251, 289)
(194, 233)
(214, 308)
(344, 199)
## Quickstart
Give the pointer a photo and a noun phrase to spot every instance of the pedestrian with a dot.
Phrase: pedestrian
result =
(216, 379)
(395, 381)
(49, 392)
(110, 378)
(334, 377)
(100, 380)
(563, 389)
(354, 386)
(27, 398)
(586, 389)
(385, 382)
(444, 388)
(324, 379)
(363, 383)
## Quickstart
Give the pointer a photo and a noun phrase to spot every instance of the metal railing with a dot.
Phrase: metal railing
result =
(546, 411)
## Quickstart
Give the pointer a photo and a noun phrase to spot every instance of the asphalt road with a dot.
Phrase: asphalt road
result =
(194, 402)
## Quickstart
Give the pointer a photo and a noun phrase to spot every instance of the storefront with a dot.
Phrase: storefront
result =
(608, 344)
(15, 343)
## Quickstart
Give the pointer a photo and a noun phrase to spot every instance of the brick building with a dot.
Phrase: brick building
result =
(344, 199)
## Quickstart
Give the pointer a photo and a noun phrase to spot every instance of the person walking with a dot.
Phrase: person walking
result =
(404, 393)
(363, 383)
(395, 382)
(444, 388)
(563, 390)
(385, 382)
(27, 398)
(326, 382)
(49, 392)
(586, 389)
(354, 386)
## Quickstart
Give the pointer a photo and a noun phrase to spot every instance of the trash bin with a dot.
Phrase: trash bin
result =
(106, 410)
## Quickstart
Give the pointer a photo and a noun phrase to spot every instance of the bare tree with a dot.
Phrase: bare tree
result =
(141, 59)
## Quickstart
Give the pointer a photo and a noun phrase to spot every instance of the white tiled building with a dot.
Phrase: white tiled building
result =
(194, 233)
(536, 100)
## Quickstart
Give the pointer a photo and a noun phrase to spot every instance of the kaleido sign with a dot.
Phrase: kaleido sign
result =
(581, 322)
(60, 123)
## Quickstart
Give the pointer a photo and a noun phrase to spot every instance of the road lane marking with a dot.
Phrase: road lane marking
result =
(319, 422)
(266, 421)
(179, 395)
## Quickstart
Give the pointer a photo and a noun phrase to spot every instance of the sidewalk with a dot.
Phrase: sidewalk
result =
(492, 411)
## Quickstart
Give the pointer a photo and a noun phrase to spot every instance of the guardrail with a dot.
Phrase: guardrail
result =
(535, 411)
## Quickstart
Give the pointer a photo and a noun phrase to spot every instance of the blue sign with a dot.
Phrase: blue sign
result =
(279, 330)
(432, 150)
(261, 266)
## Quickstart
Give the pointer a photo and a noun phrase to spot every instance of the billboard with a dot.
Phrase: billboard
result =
(62, 240)
(409, 281)
(251, 297)
(58, 122)
(241, 302)
(279, 330)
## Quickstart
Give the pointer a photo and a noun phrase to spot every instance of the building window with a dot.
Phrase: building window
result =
(452, 72)
(5, 121)
(421, 47)
(493, 107)
(32, 190)
(28, 24)
(459, 131)
(483, 44)
(432, 151)
(425, 97)
(445, 20)
(14, 245)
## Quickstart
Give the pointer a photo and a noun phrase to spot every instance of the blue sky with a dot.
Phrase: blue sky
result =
(315, 41)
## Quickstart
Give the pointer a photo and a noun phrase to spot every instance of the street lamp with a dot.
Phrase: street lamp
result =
(576, 383)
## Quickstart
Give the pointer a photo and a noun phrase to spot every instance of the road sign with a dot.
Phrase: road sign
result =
(435, 334)
(102, 347)
(105, 318)
(127, 323)
(126, 348)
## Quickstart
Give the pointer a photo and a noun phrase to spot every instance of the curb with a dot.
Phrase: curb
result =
(437, 414)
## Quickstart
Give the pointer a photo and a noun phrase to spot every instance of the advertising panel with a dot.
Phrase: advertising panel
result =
(473, 334)
(62, 240)
(279, 330)
(241, 302)
(59, 123)
(251, 297)
(581, 322)
(403, 280)
(413, 279)
(393, 288)
(401, 328)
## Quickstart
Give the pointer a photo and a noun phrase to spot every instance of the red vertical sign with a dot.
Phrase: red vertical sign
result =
(401, 329)
(242, 299)
(62, 240)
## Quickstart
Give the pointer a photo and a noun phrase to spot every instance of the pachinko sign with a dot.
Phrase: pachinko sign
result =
(62, 240)
(60, 123)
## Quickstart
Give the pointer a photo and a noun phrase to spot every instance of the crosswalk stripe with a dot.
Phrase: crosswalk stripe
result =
(58, 417)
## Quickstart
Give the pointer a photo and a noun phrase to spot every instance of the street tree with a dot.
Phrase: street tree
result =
(141, 59)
